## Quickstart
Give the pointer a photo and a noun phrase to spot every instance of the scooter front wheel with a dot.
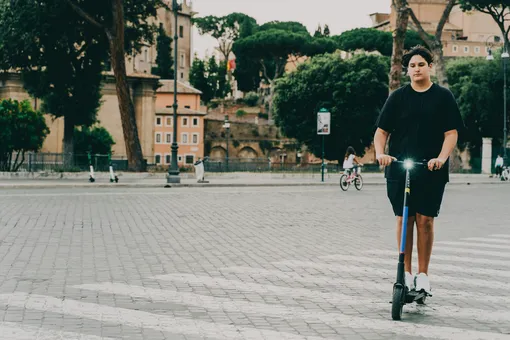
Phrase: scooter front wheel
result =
(397, 304)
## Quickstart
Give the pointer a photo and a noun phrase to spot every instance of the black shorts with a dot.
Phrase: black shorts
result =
(425, 198)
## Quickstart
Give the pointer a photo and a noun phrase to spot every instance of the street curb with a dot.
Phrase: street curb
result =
(197, 185)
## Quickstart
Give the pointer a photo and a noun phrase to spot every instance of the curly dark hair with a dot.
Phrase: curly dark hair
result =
(417, 50)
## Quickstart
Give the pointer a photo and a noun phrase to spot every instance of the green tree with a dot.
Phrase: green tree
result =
(223, 84)
(127, 26)
(371, 39)
(271, 49)
(248, 27)
(318, 32)
(289, 26)
(212, 76)
(164, 59)
(326, 31)
(96, 140)
(23, 129)
(477, 84)
(198, 79)
(342, 87)
(497, 9)
(226, 29)
(62, 66)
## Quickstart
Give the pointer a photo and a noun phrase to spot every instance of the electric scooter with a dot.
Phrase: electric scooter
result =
(113, 176)
(92, 178)
(401, 294)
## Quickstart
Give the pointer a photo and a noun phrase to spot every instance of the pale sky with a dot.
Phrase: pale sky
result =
(339, 15)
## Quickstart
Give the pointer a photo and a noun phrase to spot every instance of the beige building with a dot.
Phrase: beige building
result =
(190, 124)
(464, 34)
(146, 59)
(142, 90)
(143, 87)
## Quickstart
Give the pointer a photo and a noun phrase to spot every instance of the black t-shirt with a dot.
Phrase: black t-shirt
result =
(417, 122)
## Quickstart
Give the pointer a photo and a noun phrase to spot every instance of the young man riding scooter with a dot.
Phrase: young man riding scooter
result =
(422, 120)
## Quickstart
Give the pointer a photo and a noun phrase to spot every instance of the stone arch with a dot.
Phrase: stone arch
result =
(274, 154)
(218, 152)
(247, 153)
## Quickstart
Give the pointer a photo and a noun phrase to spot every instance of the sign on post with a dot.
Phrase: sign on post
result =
(323, 122)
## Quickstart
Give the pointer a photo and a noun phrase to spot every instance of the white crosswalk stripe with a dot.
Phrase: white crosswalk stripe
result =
(384, 284)
(473, 244)
(465, 250)
(500, 235)
(340, 268)
(141, 319)
(390, 254)
(487, 239)
(14, 331)
(434, 267)
(226, 304)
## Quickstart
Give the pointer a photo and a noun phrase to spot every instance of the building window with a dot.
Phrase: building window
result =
(182, 60)
(182, 75)
(466, 49)
(184, 121)
(194, 138)
(195, 121)
(190, 159)
(158, 121)
(146, 55)
(455, 48)
(477, 49)
(179, 159)
(167, 159)
(181, 31)
(187, 107)
(168, 138)
(168, 121)
(158, 137)
(157, 159)
(184, 138)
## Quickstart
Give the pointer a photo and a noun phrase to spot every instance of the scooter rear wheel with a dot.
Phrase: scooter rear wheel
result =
(397, 304)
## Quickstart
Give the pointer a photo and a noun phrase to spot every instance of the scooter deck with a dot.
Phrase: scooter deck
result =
(413, 295)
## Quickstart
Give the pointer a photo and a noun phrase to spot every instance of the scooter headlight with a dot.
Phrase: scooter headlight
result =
(408, 164)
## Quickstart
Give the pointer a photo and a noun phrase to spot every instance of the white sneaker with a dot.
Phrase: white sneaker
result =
(422, 282)
(409, 281)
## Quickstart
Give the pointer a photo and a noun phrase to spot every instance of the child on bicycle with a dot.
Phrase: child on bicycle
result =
(350, 160)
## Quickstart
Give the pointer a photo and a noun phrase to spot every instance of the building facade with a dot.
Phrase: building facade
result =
(465, 34)
(190, 124)
(144, 61)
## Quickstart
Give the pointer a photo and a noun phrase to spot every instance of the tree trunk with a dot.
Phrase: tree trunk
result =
(440, 64)
(68, 142)
(399, 36)
(126, 107)
(270, 101)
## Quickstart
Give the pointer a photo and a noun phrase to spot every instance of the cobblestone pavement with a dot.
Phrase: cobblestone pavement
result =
(286, 263)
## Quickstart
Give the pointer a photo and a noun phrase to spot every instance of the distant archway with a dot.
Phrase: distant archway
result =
(247, 154)
(218, 152)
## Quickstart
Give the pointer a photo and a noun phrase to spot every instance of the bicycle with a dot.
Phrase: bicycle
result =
(351, 176)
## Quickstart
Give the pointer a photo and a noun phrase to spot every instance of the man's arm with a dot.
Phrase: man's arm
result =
(450, 140)
(380, 139)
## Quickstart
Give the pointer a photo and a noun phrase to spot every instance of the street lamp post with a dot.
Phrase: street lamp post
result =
(227, 130)
(173, 170)
(505, 57)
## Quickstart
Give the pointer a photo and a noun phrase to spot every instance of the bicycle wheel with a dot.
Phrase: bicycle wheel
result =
(344, 185)
(358, 182)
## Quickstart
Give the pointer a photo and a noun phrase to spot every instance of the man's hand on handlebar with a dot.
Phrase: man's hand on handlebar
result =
(385, 160)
